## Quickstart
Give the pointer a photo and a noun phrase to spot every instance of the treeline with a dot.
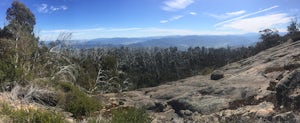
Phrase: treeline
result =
(144, 67)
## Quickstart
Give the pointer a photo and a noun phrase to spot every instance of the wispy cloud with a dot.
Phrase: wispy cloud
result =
(176, 17)
(165, 32)
(251, 23)
(226, 15)
(172, 19)
(123, 29)
(173, 5)
(247, 15)
(193, 13)
(255, 24)
(164, 21)
(63, 7)
(45, 8)
(236, 13)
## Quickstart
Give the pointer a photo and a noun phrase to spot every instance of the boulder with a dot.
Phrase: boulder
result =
(186, 112)
(287, 91)
(216, 75)
(287, 117)
(203, 105)
(168, 116)
(158, 107)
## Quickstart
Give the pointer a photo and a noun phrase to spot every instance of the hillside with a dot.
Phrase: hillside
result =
(262, 88)
(182, 42)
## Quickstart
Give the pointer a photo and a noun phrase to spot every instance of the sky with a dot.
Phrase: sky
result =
(89, 19)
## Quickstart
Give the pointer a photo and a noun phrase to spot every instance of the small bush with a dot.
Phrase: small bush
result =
(206, 71)
(31, 115)
(131, 115)
(77, 102)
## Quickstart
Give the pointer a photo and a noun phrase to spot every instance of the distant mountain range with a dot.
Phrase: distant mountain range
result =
(182, 42)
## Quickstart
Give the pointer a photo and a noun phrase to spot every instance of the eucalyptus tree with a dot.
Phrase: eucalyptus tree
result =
(21, 26)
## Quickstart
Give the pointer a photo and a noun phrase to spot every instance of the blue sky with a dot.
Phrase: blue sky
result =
(88, 19)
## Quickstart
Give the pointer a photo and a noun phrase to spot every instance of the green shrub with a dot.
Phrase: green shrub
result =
(5, 109)
(7, 71)
(206, 71)
(77, 102)
(131, 115)
(31, 115)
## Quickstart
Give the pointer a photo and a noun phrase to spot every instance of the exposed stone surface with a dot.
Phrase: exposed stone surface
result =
(264, 88)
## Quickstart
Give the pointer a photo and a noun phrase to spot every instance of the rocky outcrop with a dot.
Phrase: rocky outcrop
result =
(287, 117)
(216, 75)
(203, 105)
(288, 91)
(264, 88)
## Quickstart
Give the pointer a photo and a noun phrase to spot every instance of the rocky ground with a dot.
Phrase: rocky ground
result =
(262, 88)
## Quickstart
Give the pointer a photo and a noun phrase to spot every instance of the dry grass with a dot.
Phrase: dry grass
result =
(29, 115)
